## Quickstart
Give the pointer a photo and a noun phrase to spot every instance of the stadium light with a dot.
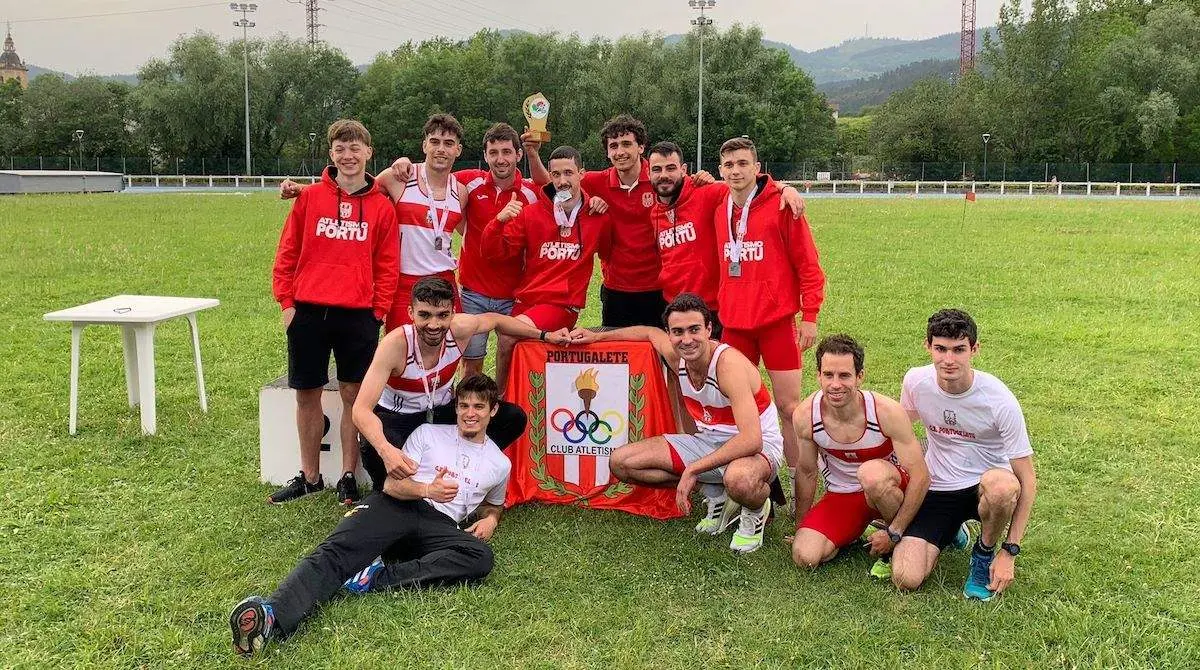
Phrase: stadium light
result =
(312, 156)
(701, 23)
(987, 137)
(245, 24)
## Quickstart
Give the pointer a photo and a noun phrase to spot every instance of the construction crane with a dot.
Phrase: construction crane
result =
(966, 49)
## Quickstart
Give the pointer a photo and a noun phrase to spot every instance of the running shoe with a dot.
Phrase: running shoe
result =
(252, 622)
(978, 577)
(721, 513)
(297, 487)
(361, 582)
(749, 535)
(347, 490)
(882, 570)
(962, 540)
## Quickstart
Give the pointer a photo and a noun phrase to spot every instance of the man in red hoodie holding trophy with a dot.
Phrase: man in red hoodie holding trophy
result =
(770, 273)
(335, 276)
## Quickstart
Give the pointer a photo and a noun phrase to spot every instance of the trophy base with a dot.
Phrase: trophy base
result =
(542, 136)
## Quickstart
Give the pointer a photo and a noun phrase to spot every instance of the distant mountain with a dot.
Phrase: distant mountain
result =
(852, 95)
(35, 72)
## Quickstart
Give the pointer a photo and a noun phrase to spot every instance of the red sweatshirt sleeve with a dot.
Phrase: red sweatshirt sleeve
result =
(386, 262)
(504, 241)
(287, 255)
(805, 263)
(606, 237)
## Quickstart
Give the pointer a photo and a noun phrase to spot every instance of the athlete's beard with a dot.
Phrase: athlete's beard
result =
(671, 191)
(431, 338)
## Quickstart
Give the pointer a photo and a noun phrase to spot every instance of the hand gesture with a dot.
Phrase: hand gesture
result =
(596, 205)
(683, 492)
(483, 528)
(511, 210)
(582, 336)
(561, 337)
(289, 189)
(398, 464)
(531, 145)
(440, 490)
(790, 198)
(1003, 571)
(808, 335)
(402, 169)
(702, 178)
(879, 543)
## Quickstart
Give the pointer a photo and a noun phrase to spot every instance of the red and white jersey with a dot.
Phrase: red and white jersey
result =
(841, 461)
(712, 410)
(417, 389)
(425, 240)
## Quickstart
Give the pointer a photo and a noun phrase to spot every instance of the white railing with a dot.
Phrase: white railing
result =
(1026, 188)
(839, 188)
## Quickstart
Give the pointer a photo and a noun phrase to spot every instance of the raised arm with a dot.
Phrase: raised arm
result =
(537, 170)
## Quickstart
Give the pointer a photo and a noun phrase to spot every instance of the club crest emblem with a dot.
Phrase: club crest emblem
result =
(950, 417)
(345, 209)
(647, 200)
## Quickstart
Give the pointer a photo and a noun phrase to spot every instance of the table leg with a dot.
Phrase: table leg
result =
(76, 341)
(129, 346)
(144, 340)
(199, 366)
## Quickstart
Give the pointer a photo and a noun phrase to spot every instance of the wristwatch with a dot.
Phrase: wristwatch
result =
(1011, 548)
(893, 535)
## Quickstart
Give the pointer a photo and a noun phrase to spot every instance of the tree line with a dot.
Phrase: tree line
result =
(190, 103)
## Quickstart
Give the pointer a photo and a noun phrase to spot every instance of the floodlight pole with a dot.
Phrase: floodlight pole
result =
(701, 23)
(312, 155)
(987, 137)
(245, 24)
(78, 135)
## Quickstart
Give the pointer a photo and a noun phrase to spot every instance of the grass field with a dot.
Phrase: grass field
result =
(121, 551)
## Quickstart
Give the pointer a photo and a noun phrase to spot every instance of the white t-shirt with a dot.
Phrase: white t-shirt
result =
(480, 469)
(969, 433)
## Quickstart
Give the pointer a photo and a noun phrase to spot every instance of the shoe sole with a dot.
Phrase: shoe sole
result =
(983, 600)
(245, 622)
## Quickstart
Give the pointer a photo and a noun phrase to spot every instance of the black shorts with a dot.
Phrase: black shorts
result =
(351, 334)
(941, 513)
(620, 309)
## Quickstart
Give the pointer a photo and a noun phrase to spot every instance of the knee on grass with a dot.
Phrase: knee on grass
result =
(807, 553)
(999, 489)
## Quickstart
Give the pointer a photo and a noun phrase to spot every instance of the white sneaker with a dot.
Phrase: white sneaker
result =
(749, 535)
(721, 513)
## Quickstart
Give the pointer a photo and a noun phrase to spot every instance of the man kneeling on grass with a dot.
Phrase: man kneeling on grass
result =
(407, 536)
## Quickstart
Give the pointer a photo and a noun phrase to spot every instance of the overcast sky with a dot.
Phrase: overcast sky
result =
(121, 41)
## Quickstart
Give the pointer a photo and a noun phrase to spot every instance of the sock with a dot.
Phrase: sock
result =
(712, 491)
(982, 549)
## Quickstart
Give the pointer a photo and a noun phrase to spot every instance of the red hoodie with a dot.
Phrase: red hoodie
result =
(557, 269)
(339, 249)
(780, 272)
(687, 241)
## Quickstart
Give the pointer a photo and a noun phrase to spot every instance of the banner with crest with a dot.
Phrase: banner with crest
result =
(582, 403)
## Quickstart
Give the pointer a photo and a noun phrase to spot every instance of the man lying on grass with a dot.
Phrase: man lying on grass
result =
(409, 535)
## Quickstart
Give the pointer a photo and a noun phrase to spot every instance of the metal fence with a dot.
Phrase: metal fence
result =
(859, 169)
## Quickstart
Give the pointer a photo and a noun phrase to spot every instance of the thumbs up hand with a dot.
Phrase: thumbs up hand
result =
(440, 490)
(511, 210)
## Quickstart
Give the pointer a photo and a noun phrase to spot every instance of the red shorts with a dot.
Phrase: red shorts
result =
(398, 316)
(775, 344)
(547, 317)
(842, 517)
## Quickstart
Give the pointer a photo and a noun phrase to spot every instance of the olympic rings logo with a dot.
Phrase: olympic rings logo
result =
(587, 425)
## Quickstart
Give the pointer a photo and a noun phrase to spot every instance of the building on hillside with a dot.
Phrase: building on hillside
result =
(11, 66)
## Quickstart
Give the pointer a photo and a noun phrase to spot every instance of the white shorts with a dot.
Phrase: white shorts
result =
(690, 448)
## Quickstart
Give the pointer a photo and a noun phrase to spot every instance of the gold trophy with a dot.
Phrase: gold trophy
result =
(537, 110)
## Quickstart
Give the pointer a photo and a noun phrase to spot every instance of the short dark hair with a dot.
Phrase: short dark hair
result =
(432, 291)
(443, 122)
(839, 345)
(502, 132)
(688, 302)
(481, 385)
(737, 144)
(665, 149)
(620, 125)
(954, 324)
(348, 130)
(566, 152)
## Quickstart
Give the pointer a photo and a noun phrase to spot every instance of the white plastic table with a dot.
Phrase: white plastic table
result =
(137, 315)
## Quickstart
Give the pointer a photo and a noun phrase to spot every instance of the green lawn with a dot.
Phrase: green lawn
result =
(123, 551)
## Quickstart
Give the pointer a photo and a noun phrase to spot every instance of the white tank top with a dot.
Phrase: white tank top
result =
(713, 412)
(424, 242)
(841, 461)
(417, 389)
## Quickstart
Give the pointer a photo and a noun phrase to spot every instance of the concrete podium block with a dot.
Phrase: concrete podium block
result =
(278, 441)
